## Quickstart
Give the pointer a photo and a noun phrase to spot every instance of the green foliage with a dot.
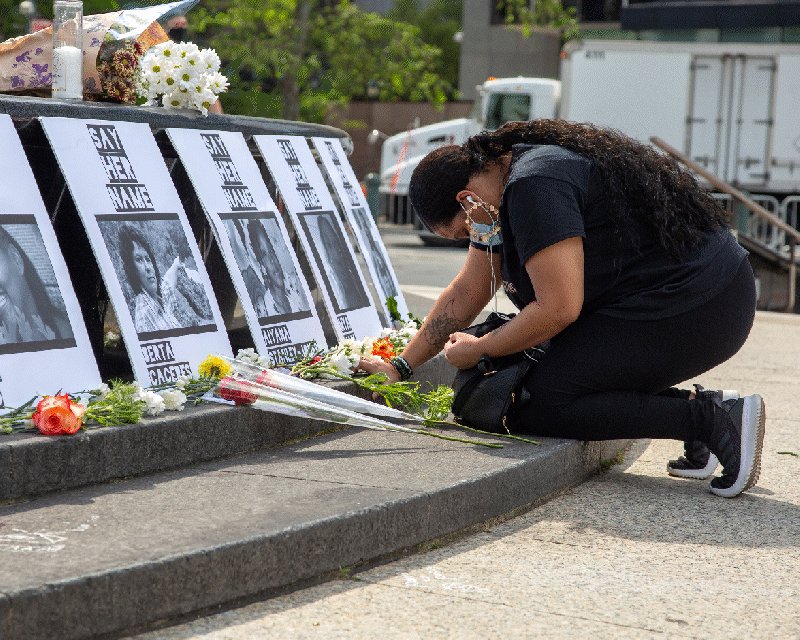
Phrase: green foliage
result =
(12, 24)
(13, 418)
(619, 458)
(391, 306)
(116, 408)
(546, 13)
(437, 22)
(431, 407)
(313, 57)
(91, 7)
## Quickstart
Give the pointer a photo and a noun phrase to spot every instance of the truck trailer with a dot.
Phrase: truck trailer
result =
(733, 108)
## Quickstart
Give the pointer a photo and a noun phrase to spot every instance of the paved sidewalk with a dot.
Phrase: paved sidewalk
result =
(629, 554)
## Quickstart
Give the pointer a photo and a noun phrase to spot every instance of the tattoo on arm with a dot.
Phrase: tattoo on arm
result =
(438, 329)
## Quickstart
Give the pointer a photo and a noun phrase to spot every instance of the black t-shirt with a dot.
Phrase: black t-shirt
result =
(553, 194)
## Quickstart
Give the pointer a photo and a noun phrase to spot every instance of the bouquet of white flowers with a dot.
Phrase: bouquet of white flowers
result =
(180, 76)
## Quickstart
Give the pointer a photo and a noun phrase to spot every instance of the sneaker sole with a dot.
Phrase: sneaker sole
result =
(696, 474)
(753, 421)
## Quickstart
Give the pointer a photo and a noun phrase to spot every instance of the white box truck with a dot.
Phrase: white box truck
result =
(732, 107)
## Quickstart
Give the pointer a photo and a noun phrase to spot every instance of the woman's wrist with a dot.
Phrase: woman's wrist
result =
(483, 346)
(402, 367)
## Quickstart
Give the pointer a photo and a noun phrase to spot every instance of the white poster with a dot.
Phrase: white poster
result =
(144, 246)
(351, 196)
(44, 347)
(322, 235)
(254, 242)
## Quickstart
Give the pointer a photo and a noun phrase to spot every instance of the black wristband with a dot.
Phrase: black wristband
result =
(403, 368)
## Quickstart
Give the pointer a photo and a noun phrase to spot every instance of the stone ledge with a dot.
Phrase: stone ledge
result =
(31, 464)
(138, 552)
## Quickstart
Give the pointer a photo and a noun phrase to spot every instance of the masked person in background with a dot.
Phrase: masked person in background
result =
(618, 258)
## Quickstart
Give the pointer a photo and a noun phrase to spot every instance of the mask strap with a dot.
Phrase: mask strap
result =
(495, 221)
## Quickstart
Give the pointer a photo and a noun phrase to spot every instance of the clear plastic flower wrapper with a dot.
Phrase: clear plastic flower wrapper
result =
(261, 394)
(307, 389)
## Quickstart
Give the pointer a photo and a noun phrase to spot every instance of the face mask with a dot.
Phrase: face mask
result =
(488, 235)
(177, 35)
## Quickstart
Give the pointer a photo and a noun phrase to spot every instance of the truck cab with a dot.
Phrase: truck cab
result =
(499, 101)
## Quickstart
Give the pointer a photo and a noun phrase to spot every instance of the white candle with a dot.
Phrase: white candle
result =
(68, 73)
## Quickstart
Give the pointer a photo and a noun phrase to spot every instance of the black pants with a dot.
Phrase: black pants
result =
(604, 378)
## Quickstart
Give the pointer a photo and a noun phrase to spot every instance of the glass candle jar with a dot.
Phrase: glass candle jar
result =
(68, 49)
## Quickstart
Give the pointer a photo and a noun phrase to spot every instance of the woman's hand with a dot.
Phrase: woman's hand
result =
(463, 350)
(378, 365)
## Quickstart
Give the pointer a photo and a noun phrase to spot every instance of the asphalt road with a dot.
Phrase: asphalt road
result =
(424, 271)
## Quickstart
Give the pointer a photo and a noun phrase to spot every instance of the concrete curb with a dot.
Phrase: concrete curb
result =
(32, 465)
(157, 545)
(132, 594)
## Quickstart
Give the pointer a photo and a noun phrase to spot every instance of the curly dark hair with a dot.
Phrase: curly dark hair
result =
(642, 184)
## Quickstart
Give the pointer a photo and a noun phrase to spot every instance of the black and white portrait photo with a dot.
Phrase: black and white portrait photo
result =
(158, 275)
(266, 265)
(334, 260)
(376, 253)
(33, 316)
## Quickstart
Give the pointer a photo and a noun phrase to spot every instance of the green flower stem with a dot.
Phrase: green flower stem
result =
(488, 433)
(491, 445)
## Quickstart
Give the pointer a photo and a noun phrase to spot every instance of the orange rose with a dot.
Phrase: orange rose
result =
(58, 414)
(383, 348)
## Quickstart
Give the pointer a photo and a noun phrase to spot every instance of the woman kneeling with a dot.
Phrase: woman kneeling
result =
(618, 258)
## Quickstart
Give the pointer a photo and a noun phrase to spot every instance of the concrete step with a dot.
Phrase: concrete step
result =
(117, 557)
(31, 464)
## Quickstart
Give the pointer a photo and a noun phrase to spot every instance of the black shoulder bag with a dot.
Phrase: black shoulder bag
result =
(488, 395)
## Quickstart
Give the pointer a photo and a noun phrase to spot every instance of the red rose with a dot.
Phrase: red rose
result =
(264, 378)
(58, 414)
(316, 359)
(238, 390)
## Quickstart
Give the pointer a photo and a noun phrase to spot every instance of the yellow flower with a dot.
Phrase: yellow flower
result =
(214, 367)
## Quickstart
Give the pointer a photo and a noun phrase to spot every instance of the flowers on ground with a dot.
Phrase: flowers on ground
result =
(341, 360)
(250, 356)
(58, 414)
(383, 348)
(174, 399)
(153, 403)
(214, 367)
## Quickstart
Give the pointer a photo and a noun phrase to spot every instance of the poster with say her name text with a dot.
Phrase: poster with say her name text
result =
(254, 242)
(341, 174)
(44, 346)
(144, 246)
(322, 235)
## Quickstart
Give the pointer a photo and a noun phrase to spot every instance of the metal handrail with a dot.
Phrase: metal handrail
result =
(792, 234)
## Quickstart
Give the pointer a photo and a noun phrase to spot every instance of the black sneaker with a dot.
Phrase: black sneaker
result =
(736, 440)
(697, 461)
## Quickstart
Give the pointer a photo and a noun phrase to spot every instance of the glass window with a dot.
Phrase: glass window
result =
(507, 107)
